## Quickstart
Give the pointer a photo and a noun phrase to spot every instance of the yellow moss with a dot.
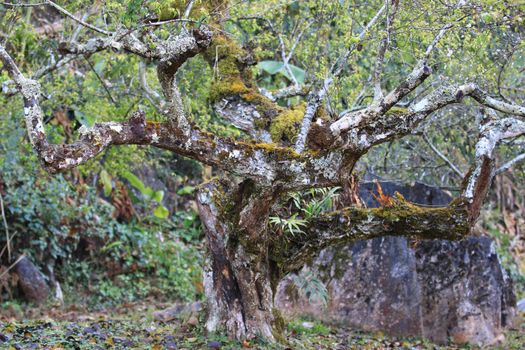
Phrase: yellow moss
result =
(232, 77)
(322, 114)
(397, 110)
(281, 152)
(402, 208)
(226, 87)
(271, 149)
(153, 125)
(279, 326)
(285, 127)
(264, 105)
(176, 8)
(223, 56)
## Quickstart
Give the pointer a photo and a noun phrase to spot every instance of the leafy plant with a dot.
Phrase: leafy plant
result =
(314, 201)
(308, 327)
(148, 193)
(311, 287)
(291, 226)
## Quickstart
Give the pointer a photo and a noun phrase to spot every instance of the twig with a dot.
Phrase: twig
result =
(5, 247)
(101, 81)
(60, 9)
(442, 156)
(383, 47)
(510, 164)
(76, 19)
(12, 265)
(8, 239)
(22, 4)
(152, 95)
(438, 37)
(316, 97)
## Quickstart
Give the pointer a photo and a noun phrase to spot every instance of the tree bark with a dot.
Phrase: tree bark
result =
(239, 279)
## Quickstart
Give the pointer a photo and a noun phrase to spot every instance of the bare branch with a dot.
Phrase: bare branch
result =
(483, 171)
(360, 134)
(156, 100)
(413, 80)
(383, 47)
(438, 37)
(316, 97)
(442, 156)
(454, 94)
(188, 9)
(60, 9)
(289, 91)
(339, 65)
(420, 72)
(505, 167)
(76, 19)
(21, 4)
(314, 101)
(8, 88)
(7, 236)
(286, 59)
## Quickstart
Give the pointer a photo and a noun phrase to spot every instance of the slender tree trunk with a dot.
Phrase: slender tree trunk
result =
(238, 274)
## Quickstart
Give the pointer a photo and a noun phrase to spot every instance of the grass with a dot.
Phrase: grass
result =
(133, 327)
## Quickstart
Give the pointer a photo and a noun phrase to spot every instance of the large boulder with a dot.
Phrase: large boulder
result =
(31, 281)
(435, 289)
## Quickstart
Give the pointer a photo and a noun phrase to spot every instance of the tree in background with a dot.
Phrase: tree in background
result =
(365, 83)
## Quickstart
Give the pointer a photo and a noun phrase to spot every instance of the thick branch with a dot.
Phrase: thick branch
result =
(354, 118)
(480, 178)
(366, 128)
(351, 224)
(267, 164)
(382, 105)
(412, 81)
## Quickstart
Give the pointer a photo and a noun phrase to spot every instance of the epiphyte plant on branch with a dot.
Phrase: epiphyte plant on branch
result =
(291, 135)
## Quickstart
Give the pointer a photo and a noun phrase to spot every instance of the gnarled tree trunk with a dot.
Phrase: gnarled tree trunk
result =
(239, 279)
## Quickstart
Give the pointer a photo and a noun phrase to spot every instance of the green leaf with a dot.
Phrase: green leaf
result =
(274, 67)
(158, 196)
(298, 73)
(105, 179)
(148, 192)
(270, 67)
(84, 119)
(99, 66)
(136, 182)
(111, 246)
(186, 190)
(161, 212)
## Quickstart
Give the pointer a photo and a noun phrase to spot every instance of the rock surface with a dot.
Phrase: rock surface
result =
(31, 281)
(186, 312)
(436, 289)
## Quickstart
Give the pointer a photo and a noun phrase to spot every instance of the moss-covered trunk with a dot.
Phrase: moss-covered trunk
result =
(238, 274)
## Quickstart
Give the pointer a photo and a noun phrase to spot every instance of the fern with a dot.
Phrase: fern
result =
(291, 226)
(311, 287)
(317, 201)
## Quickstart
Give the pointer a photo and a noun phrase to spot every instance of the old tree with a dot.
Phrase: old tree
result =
(336, 79)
